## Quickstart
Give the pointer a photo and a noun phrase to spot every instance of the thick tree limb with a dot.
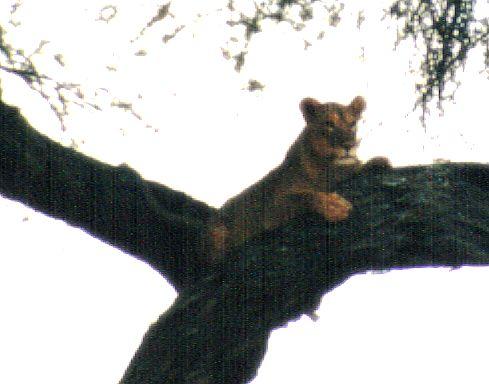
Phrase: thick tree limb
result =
(217, 331)
(156, 224)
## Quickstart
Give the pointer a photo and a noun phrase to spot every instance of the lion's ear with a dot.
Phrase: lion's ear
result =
(310, 108)
(358, 105)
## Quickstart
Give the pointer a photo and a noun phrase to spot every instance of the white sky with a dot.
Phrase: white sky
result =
(85, 306)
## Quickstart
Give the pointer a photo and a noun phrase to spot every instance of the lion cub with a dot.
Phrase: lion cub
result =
(322, 156)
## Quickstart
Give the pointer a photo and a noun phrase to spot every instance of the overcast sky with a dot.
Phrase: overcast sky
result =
(74, 309)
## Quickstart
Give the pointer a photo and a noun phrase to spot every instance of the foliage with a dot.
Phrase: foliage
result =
(294, 12)
(446, 30)
(449, 30)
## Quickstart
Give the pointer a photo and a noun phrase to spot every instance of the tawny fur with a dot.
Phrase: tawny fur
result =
(322, 156)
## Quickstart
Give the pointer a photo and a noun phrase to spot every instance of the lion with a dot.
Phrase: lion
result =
(322, 156)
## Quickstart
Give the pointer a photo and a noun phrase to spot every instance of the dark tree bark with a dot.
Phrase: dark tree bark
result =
(160, 226)
(217, 330)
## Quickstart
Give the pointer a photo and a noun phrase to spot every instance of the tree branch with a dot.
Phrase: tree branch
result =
(162, 227)
(218, 328)
(217, 331)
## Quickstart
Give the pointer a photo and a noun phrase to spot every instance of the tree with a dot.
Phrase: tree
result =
(149, 197)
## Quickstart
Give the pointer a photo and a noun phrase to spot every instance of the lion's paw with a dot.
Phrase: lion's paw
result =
(332, 206)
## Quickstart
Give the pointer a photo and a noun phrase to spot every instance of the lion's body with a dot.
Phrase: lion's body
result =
(321, 157)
